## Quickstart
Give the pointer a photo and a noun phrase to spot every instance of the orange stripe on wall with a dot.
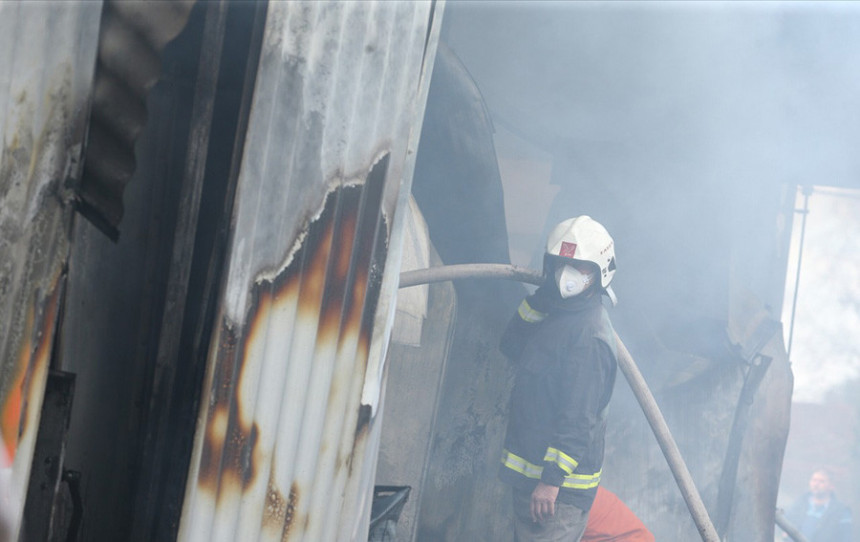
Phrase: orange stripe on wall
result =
(10, 414)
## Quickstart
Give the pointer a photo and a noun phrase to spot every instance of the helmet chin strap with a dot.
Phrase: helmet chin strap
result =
(611, 294)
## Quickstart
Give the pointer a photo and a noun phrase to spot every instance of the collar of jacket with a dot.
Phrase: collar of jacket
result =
(575, 304)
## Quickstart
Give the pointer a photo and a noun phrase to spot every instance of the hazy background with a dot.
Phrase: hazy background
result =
(825, 348)
(674, 123)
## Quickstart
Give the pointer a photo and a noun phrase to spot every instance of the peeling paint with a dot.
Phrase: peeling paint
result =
(328, 282)
(330, 288)
(323, 161)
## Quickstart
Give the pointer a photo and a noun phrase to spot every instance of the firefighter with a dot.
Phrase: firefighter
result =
(563, 346)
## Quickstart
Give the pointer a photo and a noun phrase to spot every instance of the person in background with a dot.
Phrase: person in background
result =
(563, 345)
(818, 515)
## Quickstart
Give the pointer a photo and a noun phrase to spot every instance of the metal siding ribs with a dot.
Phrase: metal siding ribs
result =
(132, 37)
(285, 443)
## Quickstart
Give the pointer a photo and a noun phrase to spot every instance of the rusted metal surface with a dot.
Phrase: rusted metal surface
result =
(47, 53)
(287, 435)
(132, 37)
(157, 453)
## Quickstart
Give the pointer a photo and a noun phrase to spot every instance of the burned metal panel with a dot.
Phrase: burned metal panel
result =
(47, 54)
(134, 417)
(286, 441)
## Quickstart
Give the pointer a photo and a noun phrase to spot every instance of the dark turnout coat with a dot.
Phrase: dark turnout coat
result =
(564, 352)
(833, 523)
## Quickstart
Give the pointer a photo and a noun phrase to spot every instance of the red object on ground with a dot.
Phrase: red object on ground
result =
(611, 521)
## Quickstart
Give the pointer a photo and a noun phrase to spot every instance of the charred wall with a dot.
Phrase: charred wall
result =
(458, 188)
(346, 105)
(291, 397)
(46, 56)
(132, 462)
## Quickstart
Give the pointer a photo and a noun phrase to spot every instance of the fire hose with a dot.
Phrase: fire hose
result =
(625, 362)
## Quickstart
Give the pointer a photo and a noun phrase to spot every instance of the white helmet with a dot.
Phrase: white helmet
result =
(584, 239)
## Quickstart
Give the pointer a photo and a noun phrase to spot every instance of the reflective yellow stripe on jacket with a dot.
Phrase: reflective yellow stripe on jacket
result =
(528, 314)
(530, 470)
(567, 463)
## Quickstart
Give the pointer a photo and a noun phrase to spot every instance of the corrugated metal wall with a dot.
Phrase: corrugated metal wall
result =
(288, 429)
(47, 56)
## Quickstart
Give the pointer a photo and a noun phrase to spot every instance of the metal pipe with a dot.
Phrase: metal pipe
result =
(625, 362)
(807, 190)
(789, 529)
